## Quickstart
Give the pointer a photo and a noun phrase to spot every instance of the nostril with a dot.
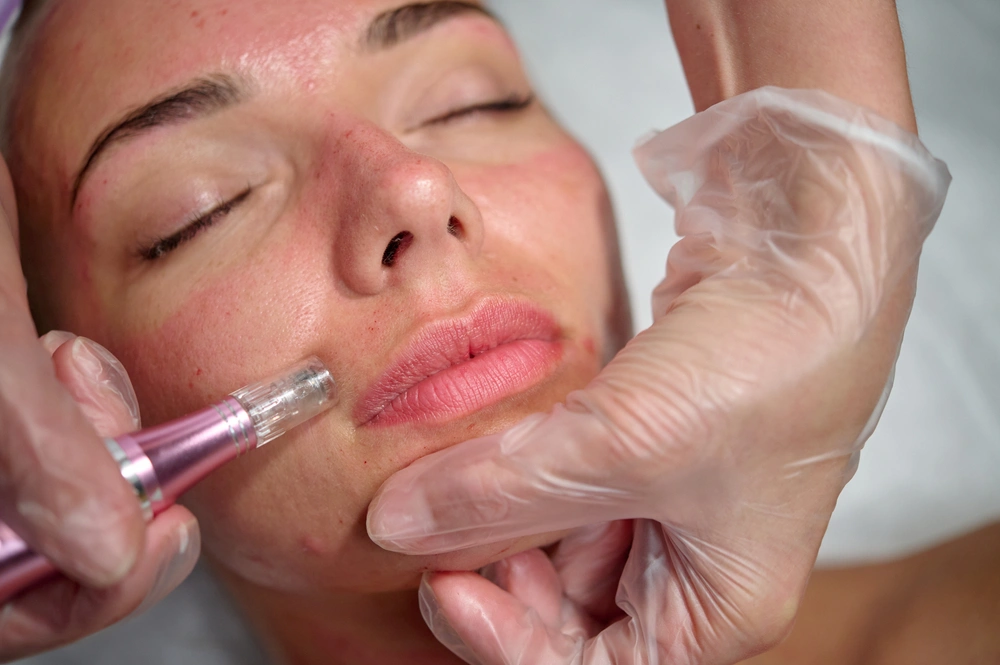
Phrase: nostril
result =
(398, 244)
(455, 228)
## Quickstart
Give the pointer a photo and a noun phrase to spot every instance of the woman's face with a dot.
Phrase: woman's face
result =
(295, 177)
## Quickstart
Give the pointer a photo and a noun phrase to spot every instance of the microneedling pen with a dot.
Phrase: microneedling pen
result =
(164, 461)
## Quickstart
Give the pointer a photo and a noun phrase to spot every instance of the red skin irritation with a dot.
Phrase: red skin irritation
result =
(207, 333)
(189, 339)
(85, 201)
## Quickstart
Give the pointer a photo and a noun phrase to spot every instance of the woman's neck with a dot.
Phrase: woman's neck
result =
(345, 629)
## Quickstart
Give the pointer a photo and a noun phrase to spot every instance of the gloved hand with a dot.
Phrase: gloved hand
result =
(726, 430)
(60, 489)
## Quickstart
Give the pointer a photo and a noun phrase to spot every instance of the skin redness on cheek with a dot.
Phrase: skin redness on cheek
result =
(226, 330)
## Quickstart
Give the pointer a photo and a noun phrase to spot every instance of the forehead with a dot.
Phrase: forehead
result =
(93, 59)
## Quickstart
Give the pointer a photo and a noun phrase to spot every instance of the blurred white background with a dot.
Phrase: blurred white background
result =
(932, 469)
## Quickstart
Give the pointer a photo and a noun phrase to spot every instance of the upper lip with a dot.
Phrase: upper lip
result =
(446, 343)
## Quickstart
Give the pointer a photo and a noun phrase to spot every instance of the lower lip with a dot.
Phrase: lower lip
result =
(474, 384)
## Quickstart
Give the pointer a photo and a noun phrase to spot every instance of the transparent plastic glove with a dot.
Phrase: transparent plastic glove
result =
(60, 489)
(726, 430)
(8, 8)
(62, 610)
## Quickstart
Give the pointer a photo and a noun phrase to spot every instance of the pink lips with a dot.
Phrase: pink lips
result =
(455, 367)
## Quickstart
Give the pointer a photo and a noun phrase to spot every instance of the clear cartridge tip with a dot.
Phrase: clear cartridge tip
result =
(288, 399)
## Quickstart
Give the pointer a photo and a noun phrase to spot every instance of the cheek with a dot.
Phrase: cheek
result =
(554, 199)
(553, 209)
(238, 327)
(191, 348)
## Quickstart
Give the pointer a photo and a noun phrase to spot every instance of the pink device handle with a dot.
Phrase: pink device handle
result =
(160, 463)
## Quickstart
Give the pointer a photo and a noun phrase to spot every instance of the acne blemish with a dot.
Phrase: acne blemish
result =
(312, 545)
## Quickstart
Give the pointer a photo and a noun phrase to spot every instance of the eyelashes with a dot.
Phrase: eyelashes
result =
(160, 248)
(510, 104)
(164, 246)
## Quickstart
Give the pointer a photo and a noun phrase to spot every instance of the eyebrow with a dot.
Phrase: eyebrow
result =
(198, 99)
(402, 23)
(208, 95)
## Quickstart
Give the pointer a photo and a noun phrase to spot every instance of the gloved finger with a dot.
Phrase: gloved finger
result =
(59, 488)
(99, 385)
(62, 611)
(589, 562)
(52, 340)
(518, 624)
(484, 625)
(530, 577)
(438, 623)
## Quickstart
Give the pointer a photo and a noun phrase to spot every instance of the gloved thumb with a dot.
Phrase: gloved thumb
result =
(549, 473)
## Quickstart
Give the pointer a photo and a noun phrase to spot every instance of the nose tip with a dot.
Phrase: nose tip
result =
(406, 219)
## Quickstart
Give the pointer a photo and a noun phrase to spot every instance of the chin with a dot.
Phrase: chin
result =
(327, 559)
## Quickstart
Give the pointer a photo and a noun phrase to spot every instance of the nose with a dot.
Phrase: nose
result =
(405, 219)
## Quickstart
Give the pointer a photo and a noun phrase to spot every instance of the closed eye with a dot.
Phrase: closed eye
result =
(160, 248)
(509, 104)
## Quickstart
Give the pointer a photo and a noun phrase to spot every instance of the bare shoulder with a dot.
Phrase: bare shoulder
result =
(949, 610)
(938, 606)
